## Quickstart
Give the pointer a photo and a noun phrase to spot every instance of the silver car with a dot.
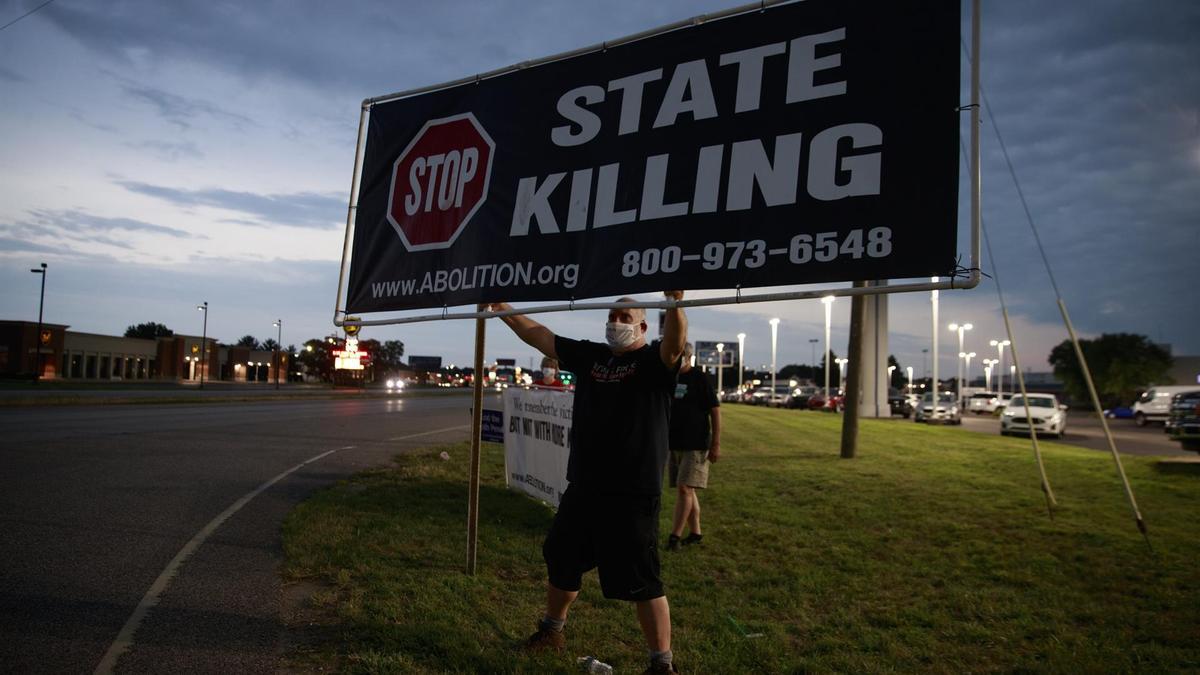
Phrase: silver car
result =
(947, 409)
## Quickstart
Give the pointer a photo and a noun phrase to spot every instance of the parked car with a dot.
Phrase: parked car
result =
(1155, 404)
(983, 402)
(899, 405)
(778, 398)
(1183, 425)
(834, 404)
(947, 409)
(1047, 417)
(1119, 413)
(799, 397)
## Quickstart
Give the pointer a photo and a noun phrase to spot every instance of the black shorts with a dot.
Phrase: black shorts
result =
(616, 533)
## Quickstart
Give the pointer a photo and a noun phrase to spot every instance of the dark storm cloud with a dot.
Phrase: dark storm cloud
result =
(181, 110)
(300, 209)
(81, 223)
(7, 75)
(1097, 107)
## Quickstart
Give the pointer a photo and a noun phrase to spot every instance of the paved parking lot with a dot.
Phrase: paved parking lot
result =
(1085, 431)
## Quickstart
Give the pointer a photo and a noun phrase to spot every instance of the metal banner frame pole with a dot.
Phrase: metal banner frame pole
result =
(476, 430)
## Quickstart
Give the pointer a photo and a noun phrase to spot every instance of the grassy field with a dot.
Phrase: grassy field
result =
(930, 552)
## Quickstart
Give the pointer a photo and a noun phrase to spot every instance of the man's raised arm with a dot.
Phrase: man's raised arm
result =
(531, 332)
(674, 332)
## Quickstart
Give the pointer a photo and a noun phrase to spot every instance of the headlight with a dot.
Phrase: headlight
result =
(391, 384)
(1010, 413)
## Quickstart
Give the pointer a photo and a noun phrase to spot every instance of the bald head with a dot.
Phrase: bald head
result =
(638, 313)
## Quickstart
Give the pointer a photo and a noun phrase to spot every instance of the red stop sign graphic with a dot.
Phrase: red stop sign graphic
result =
(440, 181)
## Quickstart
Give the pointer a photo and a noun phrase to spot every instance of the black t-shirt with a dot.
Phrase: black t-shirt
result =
(621, 419)
(690, 411)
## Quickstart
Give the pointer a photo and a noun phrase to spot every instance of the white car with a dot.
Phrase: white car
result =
(1046, 416)
(983, 403)
(947, 409)
(1155, 404)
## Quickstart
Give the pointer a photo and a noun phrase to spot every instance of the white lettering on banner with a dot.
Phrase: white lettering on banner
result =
(747, 165)
(458, 168)
(777, 176)
(537, 441)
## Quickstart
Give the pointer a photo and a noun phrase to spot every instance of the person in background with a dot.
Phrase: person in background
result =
(549, 376)
(695, 443)
(608, 516)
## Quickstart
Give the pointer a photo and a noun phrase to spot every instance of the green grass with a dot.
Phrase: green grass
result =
(930, 552)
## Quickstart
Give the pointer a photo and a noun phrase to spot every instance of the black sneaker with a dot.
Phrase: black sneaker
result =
(673, 543)
(692, 539)
(660, 669)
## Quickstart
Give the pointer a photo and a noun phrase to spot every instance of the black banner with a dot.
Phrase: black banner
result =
(808, 142)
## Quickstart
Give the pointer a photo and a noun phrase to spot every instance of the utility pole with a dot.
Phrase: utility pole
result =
(278, 344)
(203, 343)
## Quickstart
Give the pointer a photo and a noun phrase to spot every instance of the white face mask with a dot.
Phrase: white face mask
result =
(548, 374)
(620, 335)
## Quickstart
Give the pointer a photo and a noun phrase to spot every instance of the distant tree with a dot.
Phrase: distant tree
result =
(149, 331)
(317, 359)
(248, 341)
(1121, 364)
(389, 355)
(899, 375)
(269, 345)
(291, 349)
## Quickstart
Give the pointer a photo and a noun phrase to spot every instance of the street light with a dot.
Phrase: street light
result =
(842, 373)
(37, 366)
(960, 328)
(774, 340)
(828, 302)
(720, 366)
(890, 369)
(987, 372)
(967, 372)
(278, 343)
(203, 342)
(1000, 345)
(910, 383)
(741, 362)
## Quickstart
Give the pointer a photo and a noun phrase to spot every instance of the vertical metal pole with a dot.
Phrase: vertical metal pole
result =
(828, 319)
(854, 379)
(204, 346)
(476, 429)
(352, 207)
(37, 366)
(976, 175)
(278, 344)
(933, 299)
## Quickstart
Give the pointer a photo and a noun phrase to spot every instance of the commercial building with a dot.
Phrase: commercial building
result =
(61, 354)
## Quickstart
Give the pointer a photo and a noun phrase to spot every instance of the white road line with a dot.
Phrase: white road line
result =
(125, 638)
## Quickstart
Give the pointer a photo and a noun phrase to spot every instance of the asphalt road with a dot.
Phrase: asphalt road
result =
(1085, 431)
(96, 502)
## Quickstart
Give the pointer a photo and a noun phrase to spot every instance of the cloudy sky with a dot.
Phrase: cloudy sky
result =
(160, 154)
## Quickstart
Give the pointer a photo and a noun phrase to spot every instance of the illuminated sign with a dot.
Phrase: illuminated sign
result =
(349, 358)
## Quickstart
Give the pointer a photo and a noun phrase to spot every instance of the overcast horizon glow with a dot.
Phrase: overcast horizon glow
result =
(157, 155)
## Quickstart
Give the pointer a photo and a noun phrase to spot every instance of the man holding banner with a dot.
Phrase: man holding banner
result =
(608, 516)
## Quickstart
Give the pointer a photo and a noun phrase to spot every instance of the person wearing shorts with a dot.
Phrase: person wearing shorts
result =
(607, 517)
(695, 441)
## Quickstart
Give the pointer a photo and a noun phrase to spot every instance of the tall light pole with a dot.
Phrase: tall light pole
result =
(842, 373)
(37, 366)
(1000, 345)
(960, 328)
(910, 371)
(741, 361)
(889, 379)
(967, 371)
(774, 341)
(828, 302)
(203, 342)
(720, 367)
(278, 344)
(987, 372)
(933, 300)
